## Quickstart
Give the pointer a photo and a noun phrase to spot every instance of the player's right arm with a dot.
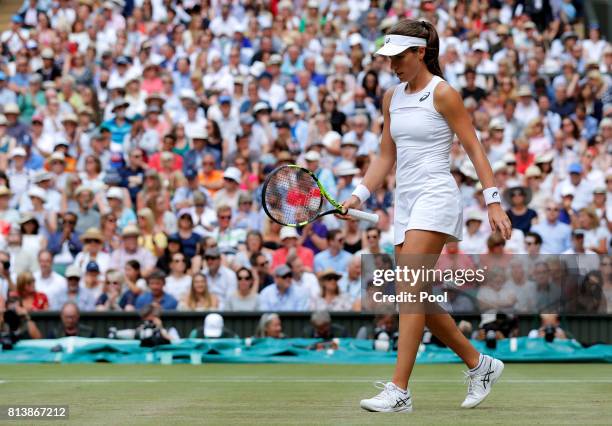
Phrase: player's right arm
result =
(384, 161)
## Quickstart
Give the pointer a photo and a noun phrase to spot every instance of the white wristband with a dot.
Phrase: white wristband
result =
(362, 192)
(491, 195)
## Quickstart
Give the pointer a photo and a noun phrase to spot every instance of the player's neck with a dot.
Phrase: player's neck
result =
(420, 81)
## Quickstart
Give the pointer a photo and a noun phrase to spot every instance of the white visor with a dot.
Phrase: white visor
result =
(396, 44)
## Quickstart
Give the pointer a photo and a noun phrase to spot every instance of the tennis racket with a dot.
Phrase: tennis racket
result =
(293, 196)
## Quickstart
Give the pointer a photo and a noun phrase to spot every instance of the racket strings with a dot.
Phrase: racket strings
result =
(292, 196)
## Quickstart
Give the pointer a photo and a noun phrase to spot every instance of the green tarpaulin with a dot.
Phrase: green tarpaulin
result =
(349, 351)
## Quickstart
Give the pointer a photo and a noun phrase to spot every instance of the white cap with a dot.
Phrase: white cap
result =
(355, 39)
(257, 68)
(509, 157)
(498, 166)
(233, 173)
(288, 232)
(198, 133)
(38, 192)
(18, 151)
(546, 157)
(115, 192)
(467, 169)
(474, 215)
(346, 168)
(213, 325)
(533, 171)
(312, 156)
(396, 44)
(331, 137)
(188, 94)
(567, 190)
(292, 106)
(480, 45)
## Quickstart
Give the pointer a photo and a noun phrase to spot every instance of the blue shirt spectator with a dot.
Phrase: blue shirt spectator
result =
(334, 256)
(556, 235)
(282, 296)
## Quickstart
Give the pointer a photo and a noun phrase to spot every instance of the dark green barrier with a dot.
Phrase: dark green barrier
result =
(586, 328)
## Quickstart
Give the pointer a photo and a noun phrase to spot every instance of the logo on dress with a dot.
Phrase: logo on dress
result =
(425, 96)
(388, 40)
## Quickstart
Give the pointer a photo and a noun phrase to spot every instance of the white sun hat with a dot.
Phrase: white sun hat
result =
(396, 44)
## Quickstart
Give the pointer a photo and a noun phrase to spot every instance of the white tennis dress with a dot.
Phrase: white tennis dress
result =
(426, 194)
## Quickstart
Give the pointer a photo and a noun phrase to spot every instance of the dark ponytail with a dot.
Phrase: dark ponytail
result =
(426, 30)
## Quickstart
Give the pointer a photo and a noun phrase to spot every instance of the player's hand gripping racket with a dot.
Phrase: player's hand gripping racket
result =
(293, 196)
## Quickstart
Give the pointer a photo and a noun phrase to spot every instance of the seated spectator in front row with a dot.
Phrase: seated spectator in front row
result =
(382, 322)
(156, 294)
(213, 329)
(321, 327)
(270, 325)
(549, 325)
(71, 326)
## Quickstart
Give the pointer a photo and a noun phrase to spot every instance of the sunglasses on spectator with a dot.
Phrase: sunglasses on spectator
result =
(211, 257)
(262, 264)
(244, 277)
(285, 276)
(225, 217)
(372, 237)
(70, 222)
(552, 209)
(178, 260)
(114, 282)
(89, 241)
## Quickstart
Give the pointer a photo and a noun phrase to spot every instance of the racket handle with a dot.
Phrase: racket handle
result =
(361, 215)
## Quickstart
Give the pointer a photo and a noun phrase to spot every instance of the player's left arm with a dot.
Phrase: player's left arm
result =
(448, 102)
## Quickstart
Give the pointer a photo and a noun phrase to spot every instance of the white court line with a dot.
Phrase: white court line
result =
(280, 380)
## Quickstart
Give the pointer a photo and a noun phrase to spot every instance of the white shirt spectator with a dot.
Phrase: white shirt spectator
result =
(583, 193)
(222, 284)
(52, 285)
(178, 287)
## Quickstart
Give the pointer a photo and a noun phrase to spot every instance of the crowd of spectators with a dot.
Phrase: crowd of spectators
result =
(135, 137)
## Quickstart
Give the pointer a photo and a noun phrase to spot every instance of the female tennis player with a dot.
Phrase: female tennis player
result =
(421, 115)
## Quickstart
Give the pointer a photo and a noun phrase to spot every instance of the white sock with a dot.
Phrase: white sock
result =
(480, 364)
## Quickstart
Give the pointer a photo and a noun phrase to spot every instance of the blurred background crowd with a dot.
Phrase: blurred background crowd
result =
(135, 137)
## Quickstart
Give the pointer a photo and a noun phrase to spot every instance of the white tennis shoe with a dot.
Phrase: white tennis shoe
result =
(482, 380)
(391, 400)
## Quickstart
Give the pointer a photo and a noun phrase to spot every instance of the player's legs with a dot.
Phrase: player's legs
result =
(411, 325)
(444, 328)
(395, 395)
